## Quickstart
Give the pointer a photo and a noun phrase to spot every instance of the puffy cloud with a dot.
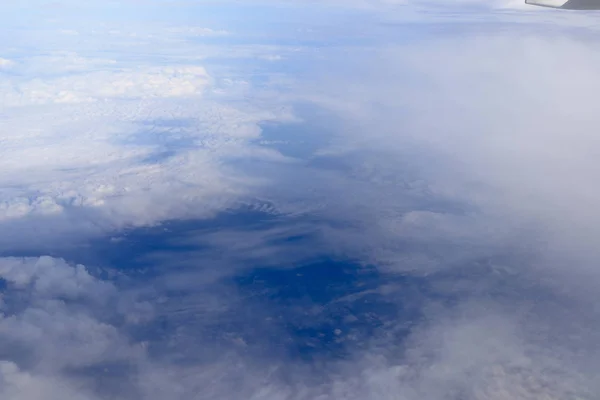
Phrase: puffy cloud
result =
(57, 321)
(115, 143)
(95, 137)
(55, 341)
(96, 155)
(93, 86)
(49, 278)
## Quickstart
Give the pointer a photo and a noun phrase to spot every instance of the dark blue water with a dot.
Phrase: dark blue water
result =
(291, 301)
(252, 280)
(333, 308)
(266, 286)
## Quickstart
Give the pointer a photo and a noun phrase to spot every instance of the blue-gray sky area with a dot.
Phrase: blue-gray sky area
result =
(298, 200)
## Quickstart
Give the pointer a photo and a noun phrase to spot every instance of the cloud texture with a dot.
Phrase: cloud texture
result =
(456, 157)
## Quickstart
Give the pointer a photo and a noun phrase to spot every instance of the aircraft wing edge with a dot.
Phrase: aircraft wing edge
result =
(567, 4)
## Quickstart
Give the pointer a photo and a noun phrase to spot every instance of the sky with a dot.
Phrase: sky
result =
(173, 171)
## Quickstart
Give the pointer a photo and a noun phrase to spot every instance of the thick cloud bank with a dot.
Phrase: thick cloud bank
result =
(390, 200)
(65, 332)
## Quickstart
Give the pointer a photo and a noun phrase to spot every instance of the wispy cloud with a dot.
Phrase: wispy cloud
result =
(5, 63)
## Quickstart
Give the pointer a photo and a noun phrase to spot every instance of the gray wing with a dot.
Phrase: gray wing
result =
(567, 4)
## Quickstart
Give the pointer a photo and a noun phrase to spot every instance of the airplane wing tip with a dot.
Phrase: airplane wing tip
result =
(567, 4)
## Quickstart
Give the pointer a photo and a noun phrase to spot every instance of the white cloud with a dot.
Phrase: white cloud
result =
(197, 31)
(492, 123)
(53, 312)
(67, 345)
(53, 278)
(19, 385)
(83, 159)
(119, 142)
(49, 66)
(115, 120)
(42, 314)
(466, 149)
(70, 32)
(138, 84)
(514, 140)
(5, 63)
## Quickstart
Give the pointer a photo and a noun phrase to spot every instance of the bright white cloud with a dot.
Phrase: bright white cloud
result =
(121, 84)
(506, 124)
(87, 156)
(91, 134)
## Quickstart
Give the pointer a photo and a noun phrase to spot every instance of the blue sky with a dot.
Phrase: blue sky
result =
(155, 155)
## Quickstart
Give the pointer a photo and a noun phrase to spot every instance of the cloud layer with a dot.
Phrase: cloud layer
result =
(457, 151)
